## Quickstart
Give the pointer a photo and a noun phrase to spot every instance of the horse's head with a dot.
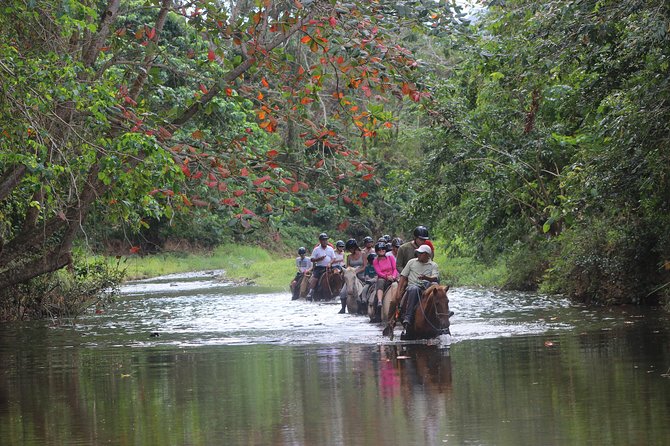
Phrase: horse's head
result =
(440, 300)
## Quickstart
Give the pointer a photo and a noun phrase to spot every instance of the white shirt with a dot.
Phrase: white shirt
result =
(303, 264)
(338, 259)
(328, 251)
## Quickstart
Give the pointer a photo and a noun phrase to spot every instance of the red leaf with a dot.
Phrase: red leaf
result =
(239, 192)
(368, 177)
(265, 83)
(272, 153)
(319, 163)
(306, 39)
(248, 212)
(364, 195)
(197, 175)
(211, 56)
(287, 180)
(261, 180)
(134, 249)
(229, 202)
(186, 170)
(203, 89)
(343, 226)
(244, 172)
(346, 199)
(151, 33)
(295, 188)
(333, 21)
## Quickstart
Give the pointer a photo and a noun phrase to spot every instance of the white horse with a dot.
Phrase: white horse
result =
(388, 307)
(353, 286)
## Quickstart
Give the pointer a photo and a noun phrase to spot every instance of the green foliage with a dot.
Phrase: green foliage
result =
(607, 262)
(91, 282)
(553, 123)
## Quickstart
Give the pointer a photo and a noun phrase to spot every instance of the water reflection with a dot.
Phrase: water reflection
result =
(307, 376)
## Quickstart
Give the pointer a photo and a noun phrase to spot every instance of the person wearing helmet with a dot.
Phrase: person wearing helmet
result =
(407, 251)
(395, 244)
(387, 238)
(417, 276)
(321, 257)
(355, 260)
(369, 277)
(338, 261)
(304, 265)
(368, 246)
(386, 271)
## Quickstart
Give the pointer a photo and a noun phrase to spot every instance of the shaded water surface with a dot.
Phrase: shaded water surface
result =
(240, 366)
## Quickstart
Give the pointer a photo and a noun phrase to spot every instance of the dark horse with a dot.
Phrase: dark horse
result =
(431, 317)
(329, 285)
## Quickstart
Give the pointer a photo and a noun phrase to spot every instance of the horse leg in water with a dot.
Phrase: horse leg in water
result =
(343, 299)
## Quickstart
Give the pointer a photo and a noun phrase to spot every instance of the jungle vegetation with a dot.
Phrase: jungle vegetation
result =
(532, 132)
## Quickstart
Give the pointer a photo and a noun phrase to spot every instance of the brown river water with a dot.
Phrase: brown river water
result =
(244, 366)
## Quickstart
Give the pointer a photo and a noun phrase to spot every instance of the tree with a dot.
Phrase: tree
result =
(117, 106)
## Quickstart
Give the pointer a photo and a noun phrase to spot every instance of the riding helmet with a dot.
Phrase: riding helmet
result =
(396, 242)
(371, 257)
(421, 232)
(367, 239)
(389, 247)
(323, 236)
(387, 238)
(351, 243)
(302, 250)
(380, 246)
(339, 243)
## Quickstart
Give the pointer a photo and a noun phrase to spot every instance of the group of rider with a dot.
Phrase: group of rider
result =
(377, 264)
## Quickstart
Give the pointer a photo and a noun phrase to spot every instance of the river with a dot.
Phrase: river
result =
(190, 360)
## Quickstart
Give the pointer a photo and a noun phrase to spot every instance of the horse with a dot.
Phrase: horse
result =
(431, 317)
(388, 307)
(354, 286)
(329, 285)
(301, 287)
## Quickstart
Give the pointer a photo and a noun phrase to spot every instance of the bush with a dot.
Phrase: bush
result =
(65, 293)
(606, 262)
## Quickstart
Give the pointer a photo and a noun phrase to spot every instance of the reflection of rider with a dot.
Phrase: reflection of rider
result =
(416, 276)
(322, 255)
(303, 264)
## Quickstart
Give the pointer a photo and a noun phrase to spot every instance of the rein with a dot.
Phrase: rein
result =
(437, 313)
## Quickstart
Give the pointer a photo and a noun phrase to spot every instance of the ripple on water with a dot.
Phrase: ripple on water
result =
(200, 309)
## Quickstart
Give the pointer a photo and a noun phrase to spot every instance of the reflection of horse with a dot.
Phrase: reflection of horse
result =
(421, 365)
(301, 287)
(387, 309)
(354, 286)
(431, 317)
(329, 285)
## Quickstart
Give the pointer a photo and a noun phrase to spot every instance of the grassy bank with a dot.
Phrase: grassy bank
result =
(238, 262)
(268, 270)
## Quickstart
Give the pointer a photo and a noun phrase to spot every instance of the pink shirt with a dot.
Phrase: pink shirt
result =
(385, 267)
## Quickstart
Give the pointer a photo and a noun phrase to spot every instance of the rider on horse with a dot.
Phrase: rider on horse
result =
(416, 276)
(303, 264)
(322, 256)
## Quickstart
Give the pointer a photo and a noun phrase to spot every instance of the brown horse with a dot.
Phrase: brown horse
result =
(431, 317)
(329, 285)
(301, 287)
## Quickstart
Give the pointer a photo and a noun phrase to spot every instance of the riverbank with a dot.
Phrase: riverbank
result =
(257, 265)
